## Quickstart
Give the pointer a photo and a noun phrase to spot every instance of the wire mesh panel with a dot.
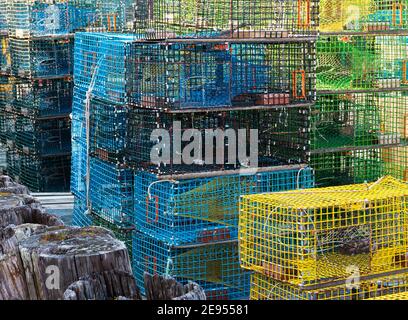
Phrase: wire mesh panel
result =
(359, 165)
(236, 19)
(6, 89)
(215, 267)
(359, 120)
(38, 18)
(396, 162)
(5, 59)
(8, 127)
(311, 237)
(43, 137)
(223, 140)
(102, 15)
(41, 57)
(204, 210)
(43, 98)
(392, 297)
(79, 168)
(45, 174)
(361, 62)
(183, 76)
(363, 15)
(3, 16)
(266, 288)
(111, 191)
(82, 217)
(14, 165)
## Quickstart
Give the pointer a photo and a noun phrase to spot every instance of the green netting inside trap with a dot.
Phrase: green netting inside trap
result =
(361, 62)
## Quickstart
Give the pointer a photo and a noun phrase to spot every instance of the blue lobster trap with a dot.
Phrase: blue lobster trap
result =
(14, 164)
(6, 90)
(215, 267)
(174, 76)
(111, 191)
(205, 210)
(43, 98)
(8, 127)
(41, 57)
(79, 168)
(229, 19)
(5, 59)
(38, 18)
(101, 15)
(82, 217)
(45, 137)
(3, 17)
(100, 65)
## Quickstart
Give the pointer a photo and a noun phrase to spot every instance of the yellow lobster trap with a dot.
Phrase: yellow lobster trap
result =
(309, 237)
(385, 288)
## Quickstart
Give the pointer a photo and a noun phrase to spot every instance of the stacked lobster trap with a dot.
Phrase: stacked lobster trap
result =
(337, 243)
(36, 54)
(205, 72)
(359, 124)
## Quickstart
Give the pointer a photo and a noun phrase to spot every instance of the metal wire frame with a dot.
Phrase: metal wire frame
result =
(38, 18)
(376, 119)
(363, 16)
(3, 17)
(40, 174)
(102, 16)
(111, 192)
(79, 168)
(204, 210)
(8, 127)
(5, 59)
(361, 62)
(282, 139)
(41, 99)
(82, 217)
(315, 237)
(215, 266)
(41, 58)
(358, 165)
(45, 137)
(192, 76)
(231, 19)
(265, 288)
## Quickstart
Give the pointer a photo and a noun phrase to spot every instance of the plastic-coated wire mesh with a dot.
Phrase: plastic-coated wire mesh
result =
(393, 297)
(43, 137)
(14, 164)
(8, 127)
(61, 17)
(5, 59)
(49, 57)
(363, 15)
(3, 16)
(101, 15)
(43, 98)
(78, 168)
(359, 119)
(6, 90)
(38, 18)
(111, 191)
(360, 165)
(183, 76)
(204, 210)
(40, 174)
(283, 138)
(308, 237)
(81, 218)
(361, 62)
(238, 19)
(265, 288)
(213, 266)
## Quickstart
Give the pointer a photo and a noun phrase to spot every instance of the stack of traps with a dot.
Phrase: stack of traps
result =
(309, 244)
